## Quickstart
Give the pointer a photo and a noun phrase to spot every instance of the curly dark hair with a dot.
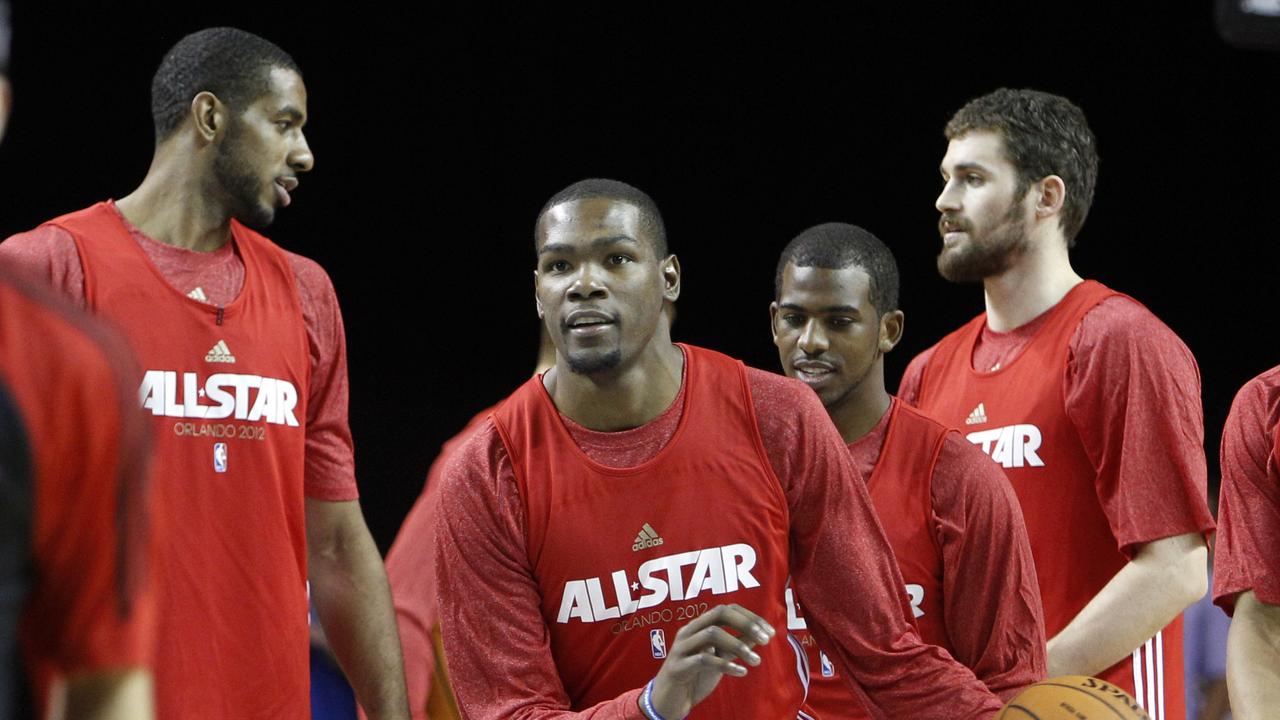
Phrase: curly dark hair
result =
(835, 246)
(1044, 134)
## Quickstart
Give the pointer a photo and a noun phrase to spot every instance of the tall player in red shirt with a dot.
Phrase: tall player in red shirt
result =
(1246, 558)
(244, 380)
(949, 513)
(616, 537)
(1090, 403)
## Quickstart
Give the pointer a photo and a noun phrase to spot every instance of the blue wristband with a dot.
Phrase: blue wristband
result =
(646, 703)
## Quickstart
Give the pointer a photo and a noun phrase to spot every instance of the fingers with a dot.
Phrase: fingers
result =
(752, 628)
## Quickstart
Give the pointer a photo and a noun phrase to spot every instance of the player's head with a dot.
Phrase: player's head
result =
(1018, 161)
(835, 312)
(240, 100)
(603, 274)
(5, 95)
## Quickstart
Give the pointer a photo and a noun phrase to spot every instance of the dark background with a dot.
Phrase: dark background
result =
(439, 133)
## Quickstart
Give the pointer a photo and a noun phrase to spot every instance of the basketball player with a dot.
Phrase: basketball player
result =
(245, 380)
(411, 572)
(1090, 403)
(76, 557)
(949, 513)
(1246, 565)
(617, 536)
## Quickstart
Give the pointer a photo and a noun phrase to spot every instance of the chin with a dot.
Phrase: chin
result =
(592, 362)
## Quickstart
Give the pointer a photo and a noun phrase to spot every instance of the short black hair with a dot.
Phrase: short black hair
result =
(835, 246)
(650, 217)
(1044, 134)
(233, 64)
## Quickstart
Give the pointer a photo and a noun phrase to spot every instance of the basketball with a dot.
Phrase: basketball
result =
(1074, 697)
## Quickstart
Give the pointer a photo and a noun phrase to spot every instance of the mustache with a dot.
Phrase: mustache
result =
(955, 221)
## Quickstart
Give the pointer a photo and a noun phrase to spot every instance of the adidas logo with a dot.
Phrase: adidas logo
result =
(978, 416)
(647, 538)
(220, 353)
(198, 294)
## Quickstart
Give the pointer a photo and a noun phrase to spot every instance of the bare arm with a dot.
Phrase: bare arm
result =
(1253, 658)
(1167, 574)
(351, 595)
(108, 695)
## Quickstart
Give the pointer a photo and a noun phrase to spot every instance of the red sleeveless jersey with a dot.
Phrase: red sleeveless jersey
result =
(900, 490)
(225, 390)
(1016, 414)
(625, 557)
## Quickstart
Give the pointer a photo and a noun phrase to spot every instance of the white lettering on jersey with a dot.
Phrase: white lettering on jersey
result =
(1011, 446)
(915, 593)
(229, 395)
(718, 571)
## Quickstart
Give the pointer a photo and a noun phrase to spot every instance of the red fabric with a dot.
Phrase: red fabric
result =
(498, 643)
(1247, 551)
(49, 254)
(1104, 428)
(91, 604)
(411, 572)
(221, 387)
(958, 536)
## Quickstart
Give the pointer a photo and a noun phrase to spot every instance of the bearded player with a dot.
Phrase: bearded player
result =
(949, 513)
(245, 381)
(1246, 559)
(1089, 403)
(616, 538)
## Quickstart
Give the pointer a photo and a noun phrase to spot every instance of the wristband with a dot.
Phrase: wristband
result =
(646, 703)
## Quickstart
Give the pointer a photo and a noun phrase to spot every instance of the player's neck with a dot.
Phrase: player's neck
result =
(1040, 277)
(626, 398)
(173, 206)
(858, 412)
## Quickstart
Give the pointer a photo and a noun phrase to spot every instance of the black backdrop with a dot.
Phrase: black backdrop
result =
(439, 133)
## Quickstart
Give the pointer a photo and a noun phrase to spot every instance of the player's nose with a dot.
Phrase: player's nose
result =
(301, 159)
(813, 341)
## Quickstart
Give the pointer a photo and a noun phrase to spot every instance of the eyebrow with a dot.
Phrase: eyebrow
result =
(597, 243)
(966, 166)
(294, 114)
(829, 309)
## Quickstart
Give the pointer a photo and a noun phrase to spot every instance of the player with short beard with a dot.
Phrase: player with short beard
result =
(949, 513)
(1089, 402)
(256, 490)
(616, 537)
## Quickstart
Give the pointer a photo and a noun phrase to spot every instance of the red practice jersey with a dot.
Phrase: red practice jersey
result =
(1247, 552)
(958, 536)
(90, 604)
(221, 387)
(411, 571)
(1094, 485)
(742, 480)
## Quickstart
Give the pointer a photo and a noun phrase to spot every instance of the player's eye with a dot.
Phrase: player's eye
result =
(973, 180)
(840, 322)
(793, 319)
(619, 259)
(557, 266)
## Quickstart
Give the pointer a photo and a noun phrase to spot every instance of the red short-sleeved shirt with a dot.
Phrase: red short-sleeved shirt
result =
(49, 254)
(91, 604)
(1247, 551)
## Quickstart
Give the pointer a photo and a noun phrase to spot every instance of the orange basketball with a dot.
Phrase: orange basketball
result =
(1073, 697)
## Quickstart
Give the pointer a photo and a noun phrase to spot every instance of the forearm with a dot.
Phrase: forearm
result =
(118, 695)
(1253, 658)
(1168, 575)
(353, 600)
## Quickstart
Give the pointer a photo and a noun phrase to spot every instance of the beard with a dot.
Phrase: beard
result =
(590, 363)
(988, 256)
(235, 175)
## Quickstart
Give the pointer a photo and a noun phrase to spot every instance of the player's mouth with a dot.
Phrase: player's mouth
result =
(952, 231)
(813, 372)
(285, 185)
(588, 323)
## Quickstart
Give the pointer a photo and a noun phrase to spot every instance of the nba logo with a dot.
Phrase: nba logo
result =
(828, 670)
(658, 643)
(219, 457)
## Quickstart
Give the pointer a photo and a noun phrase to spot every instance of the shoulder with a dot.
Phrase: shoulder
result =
(312, 279)
(779, 399)
(1257, 404)
(476, 461)
(39, 248)
(1121, 322)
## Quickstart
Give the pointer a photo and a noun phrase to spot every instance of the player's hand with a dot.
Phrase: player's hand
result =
(704, 652)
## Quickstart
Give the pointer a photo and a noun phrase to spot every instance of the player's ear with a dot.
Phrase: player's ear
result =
(891, 325)
(773, 320)
(209, 116)
(1051, 194)
(671, 278)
